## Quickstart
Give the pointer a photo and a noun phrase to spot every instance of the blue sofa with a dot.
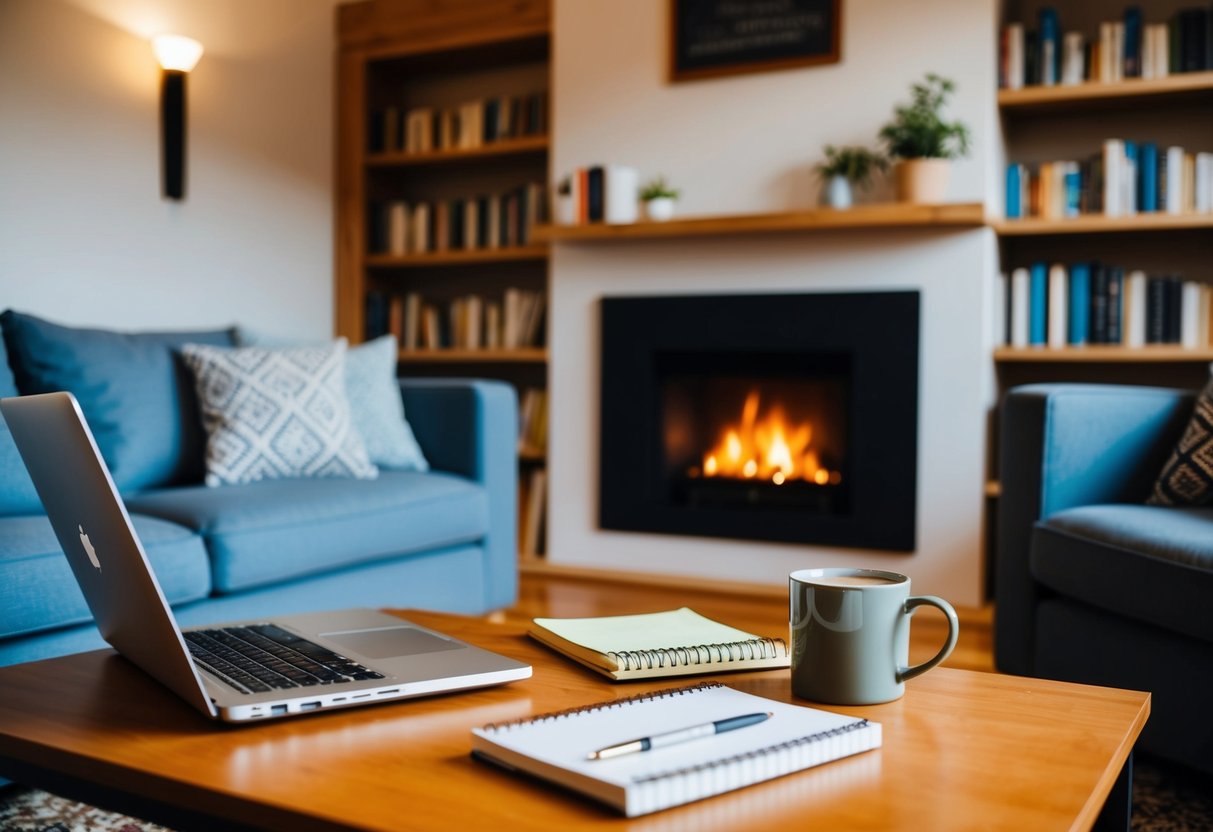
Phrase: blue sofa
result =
(1091, 584)
(442, 539)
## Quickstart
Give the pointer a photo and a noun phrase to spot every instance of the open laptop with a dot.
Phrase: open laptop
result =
(233, 672)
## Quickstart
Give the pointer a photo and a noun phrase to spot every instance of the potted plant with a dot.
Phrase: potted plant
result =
(845, 168)
(658, 199)
(924, 143)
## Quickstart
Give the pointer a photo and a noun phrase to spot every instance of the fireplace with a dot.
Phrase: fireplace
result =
(789, 418)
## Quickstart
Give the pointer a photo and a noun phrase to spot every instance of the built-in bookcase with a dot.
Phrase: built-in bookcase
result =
(446, 104)
(1044, 123)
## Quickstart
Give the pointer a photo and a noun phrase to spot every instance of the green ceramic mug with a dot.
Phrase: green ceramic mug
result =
(850, 635)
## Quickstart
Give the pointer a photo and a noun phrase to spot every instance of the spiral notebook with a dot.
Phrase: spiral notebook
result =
(654, 645)
(555, 746)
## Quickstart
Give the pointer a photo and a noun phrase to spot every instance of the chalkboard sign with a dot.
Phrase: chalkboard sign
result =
(723, 37)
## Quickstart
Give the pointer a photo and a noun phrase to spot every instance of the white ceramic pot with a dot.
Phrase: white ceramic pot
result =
(923, 181)
(838, 192)
(566, 210)
(660, 209)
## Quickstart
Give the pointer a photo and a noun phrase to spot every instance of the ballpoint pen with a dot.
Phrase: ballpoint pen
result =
(695, 732)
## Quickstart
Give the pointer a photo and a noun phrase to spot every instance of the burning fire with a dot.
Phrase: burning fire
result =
(772, 449)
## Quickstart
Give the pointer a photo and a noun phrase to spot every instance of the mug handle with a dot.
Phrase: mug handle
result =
(953, 632)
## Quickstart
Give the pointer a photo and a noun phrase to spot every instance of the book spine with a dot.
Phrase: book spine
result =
(1058, 315)
(1020, 282)
(1116, 279)
(1099, 304)
(1172, 315)
(1189, 328)
(1080, 304)
(1175, 180)
(1156, 302)
(1135, 305)
(1132, 45)
(1147, 177)
(1038, 303)
(1050, 45)
(1073, 59)
(1015, 174)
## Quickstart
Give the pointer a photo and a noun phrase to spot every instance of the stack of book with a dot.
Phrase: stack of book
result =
(489, 221)
(468, 126)
(1094, 303)
(600, 193)
(1124, 178)
(1126, 48)
(468, 322)
(533, 421)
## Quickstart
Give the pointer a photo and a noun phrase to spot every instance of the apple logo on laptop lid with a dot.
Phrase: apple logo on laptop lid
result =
(88, 548)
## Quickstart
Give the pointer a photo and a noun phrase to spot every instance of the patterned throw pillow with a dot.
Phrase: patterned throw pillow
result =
(1187, 478)
(272, 413)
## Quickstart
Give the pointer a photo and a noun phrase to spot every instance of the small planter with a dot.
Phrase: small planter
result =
(566, 210)
(659, 209)
(838, 192)
(923, 181)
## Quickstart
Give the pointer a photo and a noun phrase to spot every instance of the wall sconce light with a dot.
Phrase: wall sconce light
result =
(177, 56)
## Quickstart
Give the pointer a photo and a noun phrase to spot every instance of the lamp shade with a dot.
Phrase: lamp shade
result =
(177, 52)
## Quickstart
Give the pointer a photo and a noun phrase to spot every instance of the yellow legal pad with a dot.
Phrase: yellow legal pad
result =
(677, 642)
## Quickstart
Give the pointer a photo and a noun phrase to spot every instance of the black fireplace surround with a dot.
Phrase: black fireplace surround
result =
(849, 359)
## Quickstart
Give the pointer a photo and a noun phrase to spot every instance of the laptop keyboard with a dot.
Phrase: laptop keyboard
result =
(264, 657)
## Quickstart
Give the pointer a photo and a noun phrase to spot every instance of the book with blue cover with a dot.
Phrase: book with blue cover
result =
(1080, 303)
(1147, 177)
(1038, 304)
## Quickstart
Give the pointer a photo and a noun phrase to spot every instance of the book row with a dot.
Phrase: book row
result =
(1094, 303)
(469, 322)
(489, 221)
(600, 193)
(1126, 48)
(533, 420)
(1124, 178)
(471, 125)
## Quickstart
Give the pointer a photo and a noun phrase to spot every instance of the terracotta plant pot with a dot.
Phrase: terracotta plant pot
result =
(923, 181)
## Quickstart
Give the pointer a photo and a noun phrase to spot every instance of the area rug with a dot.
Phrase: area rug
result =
(1166, 798)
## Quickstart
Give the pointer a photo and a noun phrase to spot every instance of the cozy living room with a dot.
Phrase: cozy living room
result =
(576, 403)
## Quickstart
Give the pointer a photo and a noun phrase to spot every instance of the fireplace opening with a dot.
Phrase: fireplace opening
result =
(782, 417)
(765, 431)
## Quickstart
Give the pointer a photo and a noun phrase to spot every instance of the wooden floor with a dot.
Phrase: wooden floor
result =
(759, 610)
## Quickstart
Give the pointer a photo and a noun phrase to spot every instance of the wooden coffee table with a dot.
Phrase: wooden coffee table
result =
(962, 750)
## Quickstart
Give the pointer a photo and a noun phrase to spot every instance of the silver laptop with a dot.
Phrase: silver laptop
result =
(234, 672)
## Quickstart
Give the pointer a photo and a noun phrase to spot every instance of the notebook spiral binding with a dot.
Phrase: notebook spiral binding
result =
(664, 693)
(753, 755)
(732, 651)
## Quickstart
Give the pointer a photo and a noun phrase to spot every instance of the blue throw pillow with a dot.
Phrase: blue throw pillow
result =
(134, 389)
(17, 495)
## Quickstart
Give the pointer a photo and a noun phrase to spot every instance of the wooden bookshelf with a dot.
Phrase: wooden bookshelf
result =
(495, 150)
(883, 216)
(530, 355)
(1100, 224)
(1193, 86)
(1104, 354)
(457, 258)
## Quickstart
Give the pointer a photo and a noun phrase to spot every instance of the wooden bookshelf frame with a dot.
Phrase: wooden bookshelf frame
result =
(478, 256)
(506, 147)
(1187, 85)
(1104, 354)
(882, 216)
(1100, 224)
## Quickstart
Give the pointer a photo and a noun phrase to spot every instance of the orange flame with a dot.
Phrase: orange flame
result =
(771, 449)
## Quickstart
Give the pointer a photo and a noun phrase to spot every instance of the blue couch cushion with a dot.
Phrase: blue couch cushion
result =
(17, 495)
(39, 592)
(135, 392)
(274, 530)
(1151, 563)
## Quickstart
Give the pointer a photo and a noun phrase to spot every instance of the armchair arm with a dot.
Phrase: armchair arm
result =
(1066, 445)
(470, 427)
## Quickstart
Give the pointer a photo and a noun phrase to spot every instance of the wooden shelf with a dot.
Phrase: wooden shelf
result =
(456, 258)
(1096, 354)
(888, 215)
(494, 150)
(1193, 85)
(1100, 224)
(529, 355)
(532, 455)
(993, 489)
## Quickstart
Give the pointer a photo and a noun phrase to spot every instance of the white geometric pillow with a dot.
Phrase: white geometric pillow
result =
(273, 413)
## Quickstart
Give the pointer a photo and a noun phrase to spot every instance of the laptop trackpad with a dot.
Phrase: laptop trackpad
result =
(388, 642)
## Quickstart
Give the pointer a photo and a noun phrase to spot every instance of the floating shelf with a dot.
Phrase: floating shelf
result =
(993, 489)
(456, 258)
(1193, 85)
(1100, 224)
(1096, 353)
(494, 150)
(887, 215)
(532, 455)
(529, 355)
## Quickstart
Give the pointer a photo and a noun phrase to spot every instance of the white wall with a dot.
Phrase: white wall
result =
(85, 236)
(746, 144)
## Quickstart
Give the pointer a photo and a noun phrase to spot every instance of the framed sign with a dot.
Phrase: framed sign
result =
(711, 38)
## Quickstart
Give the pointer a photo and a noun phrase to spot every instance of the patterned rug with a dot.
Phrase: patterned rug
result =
(1166, 798)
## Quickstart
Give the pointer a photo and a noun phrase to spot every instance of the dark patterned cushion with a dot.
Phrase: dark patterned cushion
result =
(273, 413)
(1187, 478)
